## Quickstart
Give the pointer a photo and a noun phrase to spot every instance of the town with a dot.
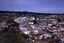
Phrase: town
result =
(30, 27)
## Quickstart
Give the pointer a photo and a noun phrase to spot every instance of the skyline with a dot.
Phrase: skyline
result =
(41, 6)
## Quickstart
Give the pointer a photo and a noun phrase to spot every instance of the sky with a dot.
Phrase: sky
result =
(43, 6)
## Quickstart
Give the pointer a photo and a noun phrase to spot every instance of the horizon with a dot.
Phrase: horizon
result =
(30, 12)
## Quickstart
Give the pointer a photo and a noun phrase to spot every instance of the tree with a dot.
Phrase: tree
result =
(11, 33)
